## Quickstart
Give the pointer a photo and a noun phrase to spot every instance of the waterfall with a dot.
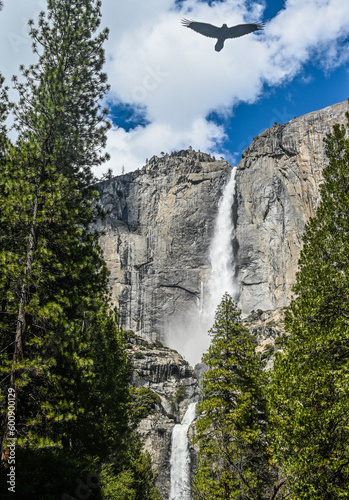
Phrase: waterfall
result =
(188, 333)
(180, 457)
(221, 251)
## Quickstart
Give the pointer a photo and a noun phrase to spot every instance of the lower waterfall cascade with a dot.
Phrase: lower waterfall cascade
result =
(180, 457)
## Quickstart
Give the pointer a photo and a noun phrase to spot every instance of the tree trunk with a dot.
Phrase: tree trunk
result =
(20, 327)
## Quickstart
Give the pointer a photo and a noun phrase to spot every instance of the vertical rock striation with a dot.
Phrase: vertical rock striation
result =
(157, 235)
(278, 182)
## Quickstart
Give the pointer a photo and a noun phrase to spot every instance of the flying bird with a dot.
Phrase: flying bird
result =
(222, 33)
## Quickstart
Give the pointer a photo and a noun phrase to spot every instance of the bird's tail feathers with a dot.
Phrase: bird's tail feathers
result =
(219, 45)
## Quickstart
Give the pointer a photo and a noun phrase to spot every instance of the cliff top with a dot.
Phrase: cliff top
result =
(188, 160)
(276, 139)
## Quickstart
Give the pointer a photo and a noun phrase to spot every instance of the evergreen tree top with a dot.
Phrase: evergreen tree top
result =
(60, 104)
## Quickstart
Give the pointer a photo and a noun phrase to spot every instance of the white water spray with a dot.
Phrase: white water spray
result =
(180, 457)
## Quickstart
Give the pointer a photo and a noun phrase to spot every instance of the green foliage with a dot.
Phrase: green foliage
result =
(120, 487)
(268, 352)
(281, 341)
(309, 397)
(180, 394)
(61, 348)
(138, 355)
(233, 459)
(144, 482)
(59, 107)
(144, 402)
(135, 482)
(59, 472)
(135, 339)
(52, 474)
(53, 278)
(4, 110)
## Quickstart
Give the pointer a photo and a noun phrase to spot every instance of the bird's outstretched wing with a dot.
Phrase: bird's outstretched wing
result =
(203, 28)
(242, 29)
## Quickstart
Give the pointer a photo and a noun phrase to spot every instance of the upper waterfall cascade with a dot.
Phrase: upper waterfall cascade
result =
(221, 250)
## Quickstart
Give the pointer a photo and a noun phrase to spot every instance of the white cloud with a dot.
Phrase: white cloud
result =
(192, 79)
(15, 43)
(126, 148)
(176, 75)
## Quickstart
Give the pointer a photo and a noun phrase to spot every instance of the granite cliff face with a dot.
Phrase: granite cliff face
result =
(278, 182)
(157, 235)
(156, 239)
(167, 374)
(161, 219)
(156, 242)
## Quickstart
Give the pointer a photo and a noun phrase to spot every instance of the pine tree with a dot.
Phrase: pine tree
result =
(233, 458)
(61, 349)
(310, 396)
(52, 268)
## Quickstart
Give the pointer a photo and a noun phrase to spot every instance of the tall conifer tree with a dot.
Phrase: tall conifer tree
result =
(60, 346)
(310, 395)
(233, 458)
(52, 269)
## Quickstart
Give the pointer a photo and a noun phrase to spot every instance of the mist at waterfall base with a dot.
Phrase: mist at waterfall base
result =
(188, 333)
(180, 457)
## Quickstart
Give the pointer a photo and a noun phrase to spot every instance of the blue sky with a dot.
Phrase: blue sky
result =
(283, 103)
(170, 89)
